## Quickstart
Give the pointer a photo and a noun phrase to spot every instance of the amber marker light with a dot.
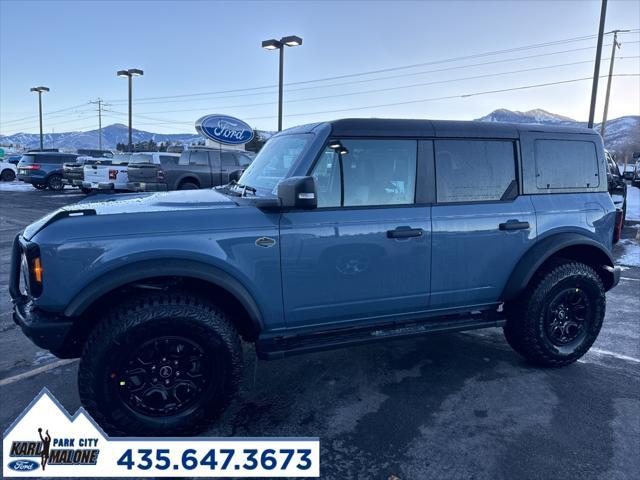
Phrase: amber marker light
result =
(37, 269)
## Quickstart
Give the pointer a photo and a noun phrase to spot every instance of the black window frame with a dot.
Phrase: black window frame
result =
(366, 137)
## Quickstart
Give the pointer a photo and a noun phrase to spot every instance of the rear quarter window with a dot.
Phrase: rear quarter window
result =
(565, 164)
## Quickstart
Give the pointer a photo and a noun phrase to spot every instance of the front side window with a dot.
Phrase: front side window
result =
(475, 170)
(328, 179)
(274, 161)
(228, 160)
(374, 173)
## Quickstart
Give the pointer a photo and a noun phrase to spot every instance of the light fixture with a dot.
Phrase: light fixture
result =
(272, 44)
(335, 144)
(291, 41)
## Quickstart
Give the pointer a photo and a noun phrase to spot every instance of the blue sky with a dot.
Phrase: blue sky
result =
(191, 47)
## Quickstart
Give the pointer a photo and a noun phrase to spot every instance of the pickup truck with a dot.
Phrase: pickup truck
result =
(107, 174)
(74, 171)
(195, 168)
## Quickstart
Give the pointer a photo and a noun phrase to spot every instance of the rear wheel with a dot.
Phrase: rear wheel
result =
(188, 186)
(8, 175)
(559, 317)
(54, 182)
(164, 365)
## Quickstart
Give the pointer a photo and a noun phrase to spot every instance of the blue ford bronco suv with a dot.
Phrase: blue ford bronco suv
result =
(339, 233)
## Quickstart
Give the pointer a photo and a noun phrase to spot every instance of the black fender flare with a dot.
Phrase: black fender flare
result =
(545, 249)
(164, 268)
(186, 176)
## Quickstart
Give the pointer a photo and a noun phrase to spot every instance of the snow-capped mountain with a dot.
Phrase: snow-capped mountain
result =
(111, 136)
(531, 116)
(622, 135)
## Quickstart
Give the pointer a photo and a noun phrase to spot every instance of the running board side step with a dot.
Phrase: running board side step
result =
(281, 347)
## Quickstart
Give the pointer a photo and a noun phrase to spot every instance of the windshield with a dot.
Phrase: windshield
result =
(274, 161)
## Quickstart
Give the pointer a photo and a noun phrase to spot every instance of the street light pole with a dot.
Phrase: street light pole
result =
(273, 44)
(132, 72)
(606, 97)
(39, 90)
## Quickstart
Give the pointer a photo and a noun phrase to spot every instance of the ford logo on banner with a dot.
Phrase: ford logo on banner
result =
(23, 465)
(224, 129)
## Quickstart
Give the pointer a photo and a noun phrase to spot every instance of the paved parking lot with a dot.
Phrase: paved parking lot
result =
(444, 406)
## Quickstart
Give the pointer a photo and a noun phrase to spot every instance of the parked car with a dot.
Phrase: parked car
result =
(339, 233)
(8, 170)
(44, 169)
(635, 180)
(195, 168)
(147, 171)
(106, 174)
(74, 171)
(616, 185)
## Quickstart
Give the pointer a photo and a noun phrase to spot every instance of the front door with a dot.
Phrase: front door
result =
(481, 224)
(364, 254)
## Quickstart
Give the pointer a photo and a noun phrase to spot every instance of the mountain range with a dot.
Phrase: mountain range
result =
(622, 134)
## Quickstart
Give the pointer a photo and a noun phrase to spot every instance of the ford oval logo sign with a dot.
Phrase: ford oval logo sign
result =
(23, 465)
(224, 129)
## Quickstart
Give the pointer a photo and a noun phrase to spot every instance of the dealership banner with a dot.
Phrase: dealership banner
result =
(45, 441)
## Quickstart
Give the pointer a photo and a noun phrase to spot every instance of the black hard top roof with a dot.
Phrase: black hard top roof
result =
(437, 128)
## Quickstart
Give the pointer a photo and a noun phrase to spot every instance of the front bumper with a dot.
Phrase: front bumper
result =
(46, 330)
(615, 273)
(147, 187)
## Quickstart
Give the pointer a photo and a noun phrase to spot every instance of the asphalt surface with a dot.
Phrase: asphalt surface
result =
(448, 406)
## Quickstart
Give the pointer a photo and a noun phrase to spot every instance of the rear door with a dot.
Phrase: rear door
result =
(482, 225)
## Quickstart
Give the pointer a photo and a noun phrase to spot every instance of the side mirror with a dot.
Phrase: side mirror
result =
(298, 193)
(235, 175)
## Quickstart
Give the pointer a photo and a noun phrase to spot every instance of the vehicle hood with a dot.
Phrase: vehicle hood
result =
(135, 203)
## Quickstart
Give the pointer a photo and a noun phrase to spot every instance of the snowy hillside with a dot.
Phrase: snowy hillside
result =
(622, 135)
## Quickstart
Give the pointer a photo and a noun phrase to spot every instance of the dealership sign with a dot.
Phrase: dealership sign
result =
(224, 129)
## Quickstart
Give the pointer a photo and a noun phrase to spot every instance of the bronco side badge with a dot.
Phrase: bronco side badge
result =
(265, 242)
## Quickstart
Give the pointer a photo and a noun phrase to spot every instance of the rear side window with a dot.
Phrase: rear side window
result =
(141, 158)
(475, 170)
(199, 158)
(168, 159)
(566, 164)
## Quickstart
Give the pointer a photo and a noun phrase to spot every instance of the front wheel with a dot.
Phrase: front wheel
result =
(559, 316)
(164, 365)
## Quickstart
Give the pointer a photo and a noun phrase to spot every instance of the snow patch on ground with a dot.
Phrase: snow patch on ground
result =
(633, 203)
(631, 252)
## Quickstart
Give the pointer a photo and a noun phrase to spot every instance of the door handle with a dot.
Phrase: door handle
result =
(514, 225)
(404, 232)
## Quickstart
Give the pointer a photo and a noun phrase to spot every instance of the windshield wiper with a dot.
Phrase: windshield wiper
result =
(245, 188)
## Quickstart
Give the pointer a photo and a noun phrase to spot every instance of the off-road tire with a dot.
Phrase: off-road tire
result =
(526, 329)
(188, 186)
(8, 175)
(54, 182)
(152, 316)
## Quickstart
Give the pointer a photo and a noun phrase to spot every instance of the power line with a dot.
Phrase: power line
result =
(449, 97)
(383, 70)
(379, 90)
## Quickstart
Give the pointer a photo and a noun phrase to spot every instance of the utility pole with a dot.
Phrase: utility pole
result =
(596, 69)
(100, 104)
(606, 98)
